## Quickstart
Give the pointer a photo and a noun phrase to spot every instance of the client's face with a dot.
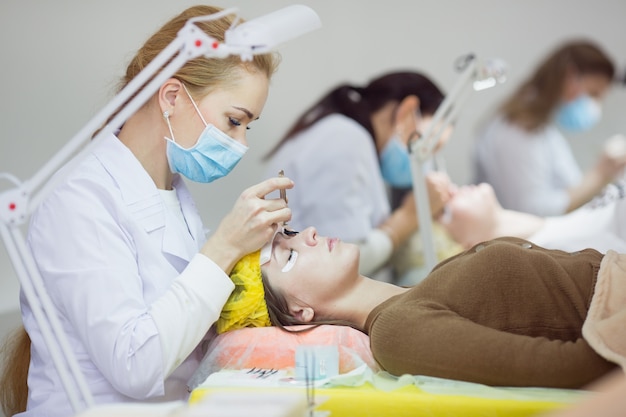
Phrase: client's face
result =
(311, 268)
(473, 211)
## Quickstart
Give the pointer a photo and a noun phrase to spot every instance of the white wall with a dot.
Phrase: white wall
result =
(61, 60)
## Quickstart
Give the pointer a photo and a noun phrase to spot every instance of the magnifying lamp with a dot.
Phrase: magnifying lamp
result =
(475, 76)
(256, 36)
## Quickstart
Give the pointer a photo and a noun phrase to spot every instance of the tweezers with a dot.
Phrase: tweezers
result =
(283, 192)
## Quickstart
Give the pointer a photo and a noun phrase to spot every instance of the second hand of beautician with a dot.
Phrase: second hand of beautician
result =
(250, 224)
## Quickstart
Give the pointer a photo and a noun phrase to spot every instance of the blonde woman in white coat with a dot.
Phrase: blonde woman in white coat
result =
(120, 244)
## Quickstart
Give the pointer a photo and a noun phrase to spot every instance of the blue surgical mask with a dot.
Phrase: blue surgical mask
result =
(213, 156)
(579, 114)
(395, 164)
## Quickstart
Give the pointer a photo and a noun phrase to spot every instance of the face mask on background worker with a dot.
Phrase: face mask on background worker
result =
(395, 163)
(579, 115)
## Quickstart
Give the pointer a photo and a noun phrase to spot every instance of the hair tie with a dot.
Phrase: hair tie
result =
(354, 95)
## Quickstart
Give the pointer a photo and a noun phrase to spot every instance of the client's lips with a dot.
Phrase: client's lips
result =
(331, 243)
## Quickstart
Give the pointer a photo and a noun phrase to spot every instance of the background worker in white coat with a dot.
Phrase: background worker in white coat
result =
(521, 151)
(345, 150)
(120, 244)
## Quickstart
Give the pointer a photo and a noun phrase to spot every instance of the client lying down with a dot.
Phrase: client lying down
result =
(505, 312)
(474, 215)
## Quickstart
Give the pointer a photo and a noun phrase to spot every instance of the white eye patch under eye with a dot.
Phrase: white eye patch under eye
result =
(291, 262)
(266, 250)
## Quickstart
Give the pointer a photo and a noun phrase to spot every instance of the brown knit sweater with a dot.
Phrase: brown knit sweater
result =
(506, 312)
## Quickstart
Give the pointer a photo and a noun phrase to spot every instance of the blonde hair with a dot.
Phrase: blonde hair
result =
(201, 75)
(15, 352)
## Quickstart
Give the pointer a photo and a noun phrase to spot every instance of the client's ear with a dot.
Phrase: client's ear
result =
(303, 314)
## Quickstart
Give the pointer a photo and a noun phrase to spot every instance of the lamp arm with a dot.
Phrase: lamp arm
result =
(424, 146)
(124, 96)
(72, 379)
(422, 149)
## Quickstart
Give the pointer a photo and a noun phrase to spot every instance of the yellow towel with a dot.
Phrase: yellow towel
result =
(246, 305)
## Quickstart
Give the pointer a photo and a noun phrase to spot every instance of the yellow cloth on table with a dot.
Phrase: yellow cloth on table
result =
(406, 401)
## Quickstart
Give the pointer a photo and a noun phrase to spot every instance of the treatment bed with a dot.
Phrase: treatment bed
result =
(251, 361)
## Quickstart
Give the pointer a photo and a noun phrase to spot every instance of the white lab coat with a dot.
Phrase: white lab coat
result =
(529, 172)
(338, 187)
(132, 293)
